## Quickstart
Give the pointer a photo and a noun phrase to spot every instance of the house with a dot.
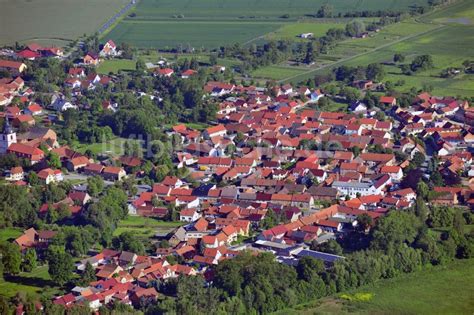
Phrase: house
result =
(164, 72)
(77, 163)
(93, 169)
(388, 100)
(34, 155)
(34, 110)
(331, 226)
(306, 35)
(59, 103)
(395, 172)
(15, 174)
(215, 131)
(13, 67)
(113, 173)
(109, 49)
(91, 59)
(35, 239)
(188, 73)
(49, 175)
(76, 72)
(23, 120)
(358, 106)
(353, 189)
(189, 215)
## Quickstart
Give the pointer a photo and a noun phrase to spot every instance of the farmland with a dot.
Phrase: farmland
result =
(449, 44)
(212, 23)
(53, 21)
(198, 34)
(450, 286)
(115, 66)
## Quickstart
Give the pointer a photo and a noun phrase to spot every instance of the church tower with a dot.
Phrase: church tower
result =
(7, 137)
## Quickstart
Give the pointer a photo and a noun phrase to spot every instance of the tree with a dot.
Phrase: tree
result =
(330, 247)
(128, 242)
(396, 228)
(140, 66)
(213, 59)
(95, 185)
(441, 216)
(355, 29)
(423, 62)
(364, 222)
(421, 210)
(398, 57)
(418, 159)
(325, 11)
(33, 178)
(60, 265)
(422, 189)
(375, 71)
(11, 258)
(89, 274)
(308, 268)
(29, 260)
(53, 160)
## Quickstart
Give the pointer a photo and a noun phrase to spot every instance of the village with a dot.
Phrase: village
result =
(273, 173)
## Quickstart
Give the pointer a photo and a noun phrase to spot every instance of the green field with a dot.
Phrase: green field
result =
(53, 21)
(439, 290)
(144, 227)
(291, 31)
(212, 23)
(115, 65)
(38, 282)
(197, 34)
(449, 45)
(224, 9)
(114, 147)
(276, 72)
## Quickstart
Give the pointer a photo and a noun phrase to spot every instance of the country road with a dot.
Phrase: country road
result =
(361, 54)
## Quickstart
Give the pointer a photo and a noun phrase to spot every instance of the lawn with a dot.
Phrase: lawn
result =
(439, 290)
(276, 72)
(115, 146)
(144, 227)
(9, 233)
(116, 65)
(53, 21)
(37, 282)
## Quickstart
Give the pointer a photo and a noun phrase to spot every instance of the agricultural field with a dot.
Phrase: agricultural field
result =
(213, 23)
(197, 34)
(449, 44)
(439, 290)
(255, 9)
(53, 21)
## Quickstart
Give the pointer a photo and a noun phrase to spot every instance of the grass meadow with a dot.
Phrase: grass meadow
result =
(35, 283)
(53, 21)
(116, 65)
(439, 290)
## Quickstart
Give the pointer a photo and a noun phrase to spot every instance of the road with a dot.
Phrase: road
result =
(361, 54)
